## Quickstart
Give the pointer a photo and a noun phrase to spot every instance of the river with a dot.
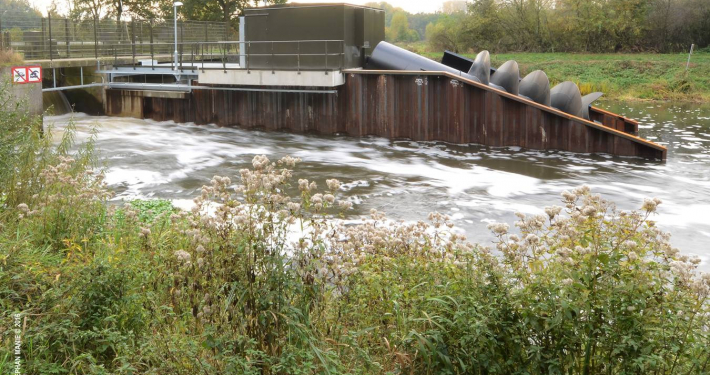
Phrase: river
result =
(407, 180)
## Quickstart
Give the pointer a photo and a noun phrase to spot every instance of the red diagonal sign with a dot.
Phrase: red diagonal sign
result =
(19, 75)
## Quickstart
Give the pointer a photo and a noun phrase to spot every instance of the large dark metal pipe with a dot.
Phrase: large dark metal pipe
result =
(390, 57)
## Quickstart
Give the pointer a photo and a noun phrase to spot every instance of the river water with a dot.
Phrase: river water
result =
(407, 180)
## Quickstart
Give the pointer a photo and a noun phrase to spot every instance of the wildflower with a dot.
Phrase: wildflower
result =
(567, 282)
(145, 232)
(329, 198)
(564, 252)
(293, 206)
(553, 211)
(23, 207)
(582, 190)
(532, 239)
(260, 161)
(333, 184)
(289, 161)
(633, 256)
(629, 244)
(303, 184)
(568, 196)
(183, 256)
(650, 205)
(581, 250)
(498, 228)
(589, 211)
(345, 205)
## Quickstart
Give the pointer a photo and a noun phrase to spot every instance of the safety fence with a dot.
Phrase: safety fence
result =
(58, 38)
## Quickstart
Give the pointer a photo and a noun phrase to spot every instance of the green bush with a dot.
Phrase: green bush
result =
(254, 280)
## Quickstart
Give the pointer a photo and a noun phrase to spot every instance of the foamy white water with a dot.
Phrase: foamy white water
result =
(473, 184)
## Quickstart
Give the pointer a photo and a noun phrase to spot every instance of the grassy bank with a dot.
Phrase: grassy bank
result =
(261, 278)
(618, 76)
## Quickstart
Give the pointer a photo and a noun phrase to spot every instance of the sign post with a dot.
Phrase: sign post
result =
(26, 74)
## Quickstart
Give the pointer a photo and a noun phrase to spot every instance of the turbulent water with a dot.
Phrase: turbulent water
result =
(473, 184)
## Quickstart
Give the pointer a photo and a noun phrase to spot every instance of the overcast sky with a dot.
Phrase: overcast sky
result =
(412, 6)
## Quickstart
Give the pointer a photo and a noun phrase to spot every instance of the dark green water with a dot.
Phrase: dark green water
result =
(473, 184)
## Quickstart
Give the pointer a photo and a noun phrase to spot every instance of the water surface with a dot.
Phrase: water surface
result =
(473, 184)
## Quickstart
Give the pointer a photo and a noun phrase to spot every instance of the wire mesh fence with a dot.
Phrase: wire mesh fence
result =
(59, 38)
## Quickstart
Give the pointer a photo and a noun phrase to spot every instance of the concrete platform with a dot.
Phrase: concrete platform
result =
(242, 77)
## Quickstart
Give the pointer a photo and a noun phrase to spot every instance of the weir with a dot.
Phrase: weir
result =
(325, 68)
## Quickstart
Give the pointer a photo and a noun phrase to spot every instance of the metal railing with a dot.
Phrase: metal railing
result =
(296, 55)
(52, 38)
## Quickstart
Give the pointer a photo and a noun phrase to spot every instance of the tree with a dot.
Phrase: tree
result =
(221, 10)
(450, 33)
(399, 30)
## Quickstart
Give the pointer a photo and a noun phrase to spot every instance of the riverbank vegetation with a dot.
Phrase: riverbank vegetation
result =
(261, 277)
(619, 76)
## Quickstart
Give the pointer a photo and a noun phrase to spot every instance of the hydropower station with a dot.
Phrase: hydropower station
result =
(325, 68)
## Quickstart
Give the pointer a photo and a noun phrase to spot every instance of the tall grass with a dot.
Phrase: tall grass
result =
(10, 57)
(256, 281)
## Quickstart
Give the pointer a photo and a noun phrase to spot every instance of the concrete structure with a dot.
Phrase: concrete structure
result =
(29, 94)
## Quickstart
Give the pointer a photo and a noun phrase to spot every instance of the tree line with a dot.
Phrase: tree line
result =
(575, 26)
(121, 10)
(495, 25)
(558, 26)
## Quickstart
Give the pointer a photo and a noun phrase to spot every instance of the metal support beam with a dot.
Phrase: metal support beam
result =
(74, 87)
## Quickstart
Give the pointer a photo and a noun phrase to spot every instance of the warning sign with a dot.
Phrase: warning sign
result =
(26, 74)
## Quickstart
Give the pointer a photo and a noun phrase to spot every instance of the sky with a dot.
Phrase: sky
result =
(412, 6)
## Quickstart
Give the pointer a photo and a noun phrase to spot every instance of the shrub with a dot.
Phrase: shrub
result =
(261, 277)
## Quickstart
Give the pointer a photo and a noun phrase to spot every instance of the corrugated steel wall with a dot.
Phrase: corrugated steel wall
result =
(422, 106)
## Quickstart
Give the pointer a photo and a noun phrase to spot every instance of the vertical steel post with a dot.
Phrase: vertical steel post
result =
(66, 35)
(133, 42)
(96, 42)
(326, 57)
(49, 21)
(182, 41)
(43, 38)
(242, 38)
(224, 59)
(152, 56)
(175, 56)
(687, 65)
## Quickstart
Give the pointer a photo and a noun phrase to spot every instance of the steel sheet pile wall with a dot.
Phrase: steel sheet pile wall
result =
(422, 106)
